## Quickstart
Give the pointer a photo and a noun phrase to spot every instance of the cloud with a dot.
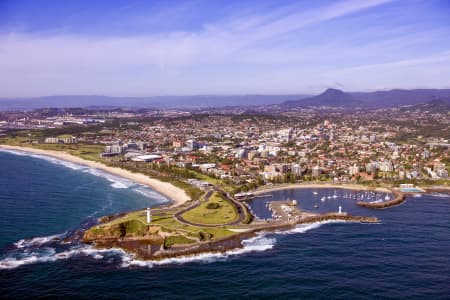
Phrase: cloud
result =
(442, 57)
(236, 49)
(173, 48)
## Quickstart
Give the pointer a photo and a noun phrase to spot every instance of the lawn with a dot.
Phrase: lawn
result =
(177, 240)
(164, 218)
(223, 212)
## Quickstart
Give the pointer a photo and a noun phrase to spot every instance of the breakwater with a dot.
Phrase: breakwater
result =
(399, 198)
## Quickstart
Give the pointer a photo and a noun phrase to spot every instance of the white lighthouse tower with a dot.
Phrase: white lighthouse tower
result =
(149, 215)
(340, 209)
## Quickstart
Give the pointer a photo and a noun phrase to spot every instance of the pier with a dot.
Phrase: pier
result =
(287, 214)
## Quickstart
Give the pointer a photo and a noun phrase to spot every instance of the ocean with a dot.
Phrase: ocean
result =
(405, 256)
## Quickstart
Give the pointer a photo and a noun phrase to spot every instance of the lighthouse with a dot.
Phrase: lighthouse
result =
(149, 216)
(340, 209)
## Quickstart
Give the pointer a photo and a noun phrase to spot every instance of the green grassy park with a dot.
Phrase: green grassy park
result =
(215, 211)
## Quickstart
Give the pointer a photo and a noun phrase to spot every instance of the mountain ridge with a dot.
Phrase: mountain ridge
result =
(379, 99)
(158, 102)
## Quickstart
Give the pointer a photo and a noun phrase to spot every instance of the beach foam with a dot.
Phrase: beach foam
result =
(302, 228)
(143, 190)
(40, 249)
(440, 195)
(46, 249)
(38, 241)
(116, 181)
(258, 243)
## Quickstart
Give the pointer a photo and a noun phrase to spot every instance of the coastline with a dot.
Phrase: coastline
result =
(355, 187)
(175, 194)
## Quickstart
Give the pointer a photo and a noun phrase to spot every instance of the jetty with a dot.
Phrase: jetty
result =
(399, 198)
(287, 214)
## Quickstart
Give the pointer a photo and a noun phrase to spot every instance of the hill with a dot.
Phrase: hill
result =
(378, 99)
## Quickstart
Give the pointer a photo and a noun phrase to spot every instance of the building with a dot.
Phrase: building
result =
(353, 170)
(61, 140)
(51, 140)
(114, 149)
(192, 145)
(386, 166)
(283, 168)
(297, 169)
(146, 158)
(316, 171)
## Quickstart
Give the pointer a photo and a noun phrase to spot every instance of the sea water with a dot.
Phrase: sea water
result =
(406, 256)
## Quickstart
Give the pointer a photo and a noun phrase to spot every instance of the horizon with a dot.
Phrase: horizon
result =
(222, 95)
(221, 48)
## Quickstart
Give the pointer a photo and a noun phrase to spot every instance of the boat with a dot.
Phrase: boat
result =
(323, 199)
(316, 206)
(315, 193)
(387, 198)
(376, 201)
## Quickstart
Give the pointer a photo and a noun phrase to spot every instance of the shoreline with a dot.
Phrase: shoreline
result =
(173, 193)
(354, 187)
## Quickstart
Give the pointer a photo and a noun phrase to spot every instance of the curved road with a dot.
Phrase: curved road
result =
(240, 208)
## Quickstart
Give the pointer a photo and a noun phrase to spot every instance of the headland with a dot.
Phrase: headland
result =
(167, 237)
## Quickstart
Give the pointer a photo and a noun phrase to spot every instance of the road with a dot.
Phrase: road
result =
(240, 208)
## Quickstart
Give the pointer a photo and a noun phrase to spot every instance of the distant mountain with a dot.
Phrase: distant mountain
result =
(329, 98)
(84, 101)
(379, 99)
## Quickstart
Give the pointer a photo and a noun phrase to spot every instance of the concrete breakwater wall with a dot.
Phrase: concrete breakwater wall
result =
(398, 199)
(337, 217)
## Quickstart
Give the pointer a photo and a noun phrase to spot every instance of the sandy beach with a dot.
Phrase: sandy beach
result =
(177, 195)
(355, 187)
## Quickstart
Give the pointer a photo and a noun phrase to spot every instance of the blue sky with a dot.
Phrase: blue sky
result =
(144, 48)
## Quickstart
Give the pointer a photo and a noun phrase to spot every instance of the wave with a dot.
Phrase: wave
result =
(149, 193)
(261, 242)
(256, 244)
(117, 182)
(44, 255)
(38, 241)
(50, 249)
(302, 228)
(50, 254)
(440, 195)
(38, 250)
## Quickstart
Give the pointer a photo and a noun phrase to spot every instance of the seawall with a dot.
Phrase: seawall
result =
(398, 199)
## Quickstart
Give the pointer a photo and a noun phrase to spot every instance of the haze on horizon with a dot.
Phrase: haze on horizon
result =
(147, 48)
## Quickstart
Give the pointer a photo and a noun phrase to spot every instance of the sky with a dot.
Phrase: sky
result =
(148, 48)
